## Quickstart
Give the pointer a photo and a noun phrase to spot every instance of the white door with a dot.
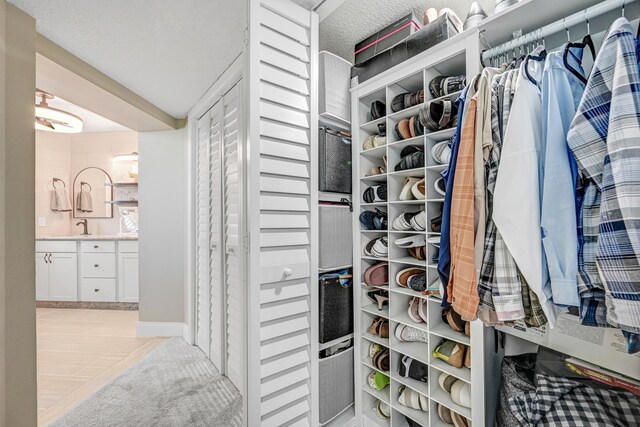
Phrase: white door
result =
(217, 313)
(233, 232)
(63, 276)
(128, 277)
(203, 255)
(42, 276)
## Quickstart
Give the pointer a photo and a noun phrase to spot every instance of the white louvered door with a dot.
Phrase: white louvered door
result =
(217, 312)
(233, 232)
(282, 110)
(203, 215)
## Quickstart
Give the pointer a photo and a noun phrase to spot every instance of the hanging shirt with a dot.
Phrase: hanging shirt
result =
(462, 288)
(605, 139)
(444, 257)
(561, 93)
(517, 194)
(482, 147)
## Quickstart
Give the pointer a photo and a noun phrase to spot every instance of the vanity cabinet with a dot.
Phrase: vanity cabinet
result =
(87, 270)
(56, 271)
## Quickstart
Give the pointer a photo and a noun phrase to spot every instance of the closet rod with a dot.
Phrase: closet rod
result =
(556, 27)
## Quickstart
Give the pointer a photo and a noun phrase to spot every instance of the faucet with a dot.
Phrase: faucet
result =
(84, 225)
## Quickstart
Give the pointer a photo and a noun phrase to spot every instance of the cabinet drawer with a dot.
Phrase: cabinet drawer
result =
(98, 265)
(98, 246)
(128, 246)
(56, 246)
(98, 290)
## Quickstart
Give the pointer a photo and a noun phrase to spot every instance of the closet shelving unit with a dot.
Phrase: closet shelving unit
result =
(448, 58)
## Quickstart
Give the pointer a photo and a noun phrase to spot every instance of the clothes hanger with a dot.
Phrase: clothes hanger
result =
(587, 41)
(539, 58)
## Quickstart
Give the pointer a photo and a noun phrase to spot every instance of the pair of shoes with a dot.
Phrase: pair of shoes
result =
(452, 417)
(417, 310)
(455, 354)
(378, 381)
(409, 128)
(379, 297)
(406, 333)
(373, 220)
(412, 399)
(380, 327)
(414, 278)
(441, 152)
(408, 221)
(406, 100)
(439, 114)
(375, 194)
(377, 248)
(378, 110)
(431, 14)
(440, 186)
(441, 86)
(377, 275)
(337, 348)
(411, 157)
(379, 356)
(459, 390)
(382, 410)
(411, 368)
(373, 141)
(379, 170)
(414, 189)
(419, 253)
(435, 241)
(413, 241)
(436, 224)
(455, 321)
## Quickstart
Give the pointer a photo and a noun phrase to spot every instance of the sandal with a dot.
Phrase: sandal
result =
(419, 253)
(381, 410)
(414, 310)
(378, 381)
(377, 275)
(407, 192)
(380, 327)
(375, 194)
(379, 297)
(405, 274)
(412, 399)
(380, 360)
(418, 189)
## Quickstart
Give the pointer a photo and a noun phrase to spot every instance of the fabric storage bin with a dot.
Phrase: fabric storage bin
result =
(336, 384)
(334, 79)
(335, 236)
(336, 309)
(335, 161)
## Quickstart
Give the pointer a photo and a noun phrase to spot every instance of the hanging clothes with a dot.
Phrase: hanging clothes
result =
(561, 94)
(517, 192)
(605, 139)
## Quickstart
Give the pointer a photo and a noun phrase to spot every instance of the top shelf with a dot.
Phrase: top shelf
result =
(121, 184)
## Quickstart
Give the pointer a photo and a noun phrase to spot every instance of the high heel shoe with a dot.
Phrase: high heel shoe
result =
(379, 297)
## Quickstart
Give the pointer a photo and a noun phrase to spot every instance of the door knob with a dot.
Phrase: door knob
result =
(287, 272)
(95, 246)
(96, 265)
(96, 290)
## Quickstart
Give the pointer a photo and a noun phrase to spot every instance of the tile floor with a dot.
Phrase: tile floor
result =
(81, 350)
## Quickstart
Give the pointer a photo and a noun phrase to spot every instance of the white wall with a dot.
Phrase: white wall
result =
(63, 156)
(163, 224)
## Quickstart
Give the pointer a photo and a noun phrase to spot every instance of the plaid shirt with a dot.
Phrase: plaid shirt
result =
(558, 401)
(462, 289)
(605, 140)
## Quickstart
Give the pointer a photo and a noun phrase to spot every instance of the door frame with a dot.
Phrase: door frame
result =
(232, 75)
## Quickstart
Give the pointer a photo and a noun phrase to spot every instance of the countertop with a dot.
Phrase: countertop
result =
(89, 237)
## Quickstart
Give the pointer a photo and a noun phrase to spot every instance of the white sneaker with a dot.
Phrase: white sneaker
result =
(407, 333)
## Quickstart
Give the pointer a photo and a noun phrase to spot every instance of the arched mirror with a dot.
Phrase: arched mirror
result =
(92, 194)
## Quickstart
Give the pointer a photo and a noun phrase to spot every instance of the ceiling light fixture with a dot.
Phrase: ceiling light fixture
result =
(53, 119)
(132, 157)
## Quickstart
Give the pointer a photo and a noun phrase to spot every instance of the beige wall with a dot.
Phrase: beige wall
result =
(17, 206)
(63, 156)
(162, 216)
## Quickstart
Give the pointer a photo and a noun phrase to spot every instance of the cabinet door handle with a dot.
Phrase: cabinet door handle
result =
(95, 246)
(96, 265)
(45, 259)
(96, 290)
(50, 262)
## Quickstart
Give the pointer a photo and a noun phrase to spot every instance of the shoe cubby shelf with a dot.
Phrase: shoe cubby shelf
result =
(435, 330)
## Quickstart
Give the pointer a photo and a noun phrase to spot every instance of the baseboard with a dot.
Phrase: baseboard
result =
(160, 329)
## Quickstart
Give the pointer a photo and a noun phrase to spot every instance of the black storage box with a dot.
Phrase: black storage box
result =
(335, 161)
(386, 38)
(428, 36)
(336, 309)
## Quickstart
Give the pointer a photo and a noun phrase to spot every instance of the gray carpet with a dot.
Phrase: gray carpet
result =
(175, 385)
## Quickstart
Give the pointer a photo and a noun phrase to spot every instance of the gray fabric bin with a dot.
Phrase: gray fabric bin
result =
(335, 162)
(336, 246)
(336, 384)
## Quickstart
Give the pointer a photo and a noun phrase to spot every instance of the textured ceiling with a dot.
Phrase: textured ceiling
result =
(169, 52)
(355, 20)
